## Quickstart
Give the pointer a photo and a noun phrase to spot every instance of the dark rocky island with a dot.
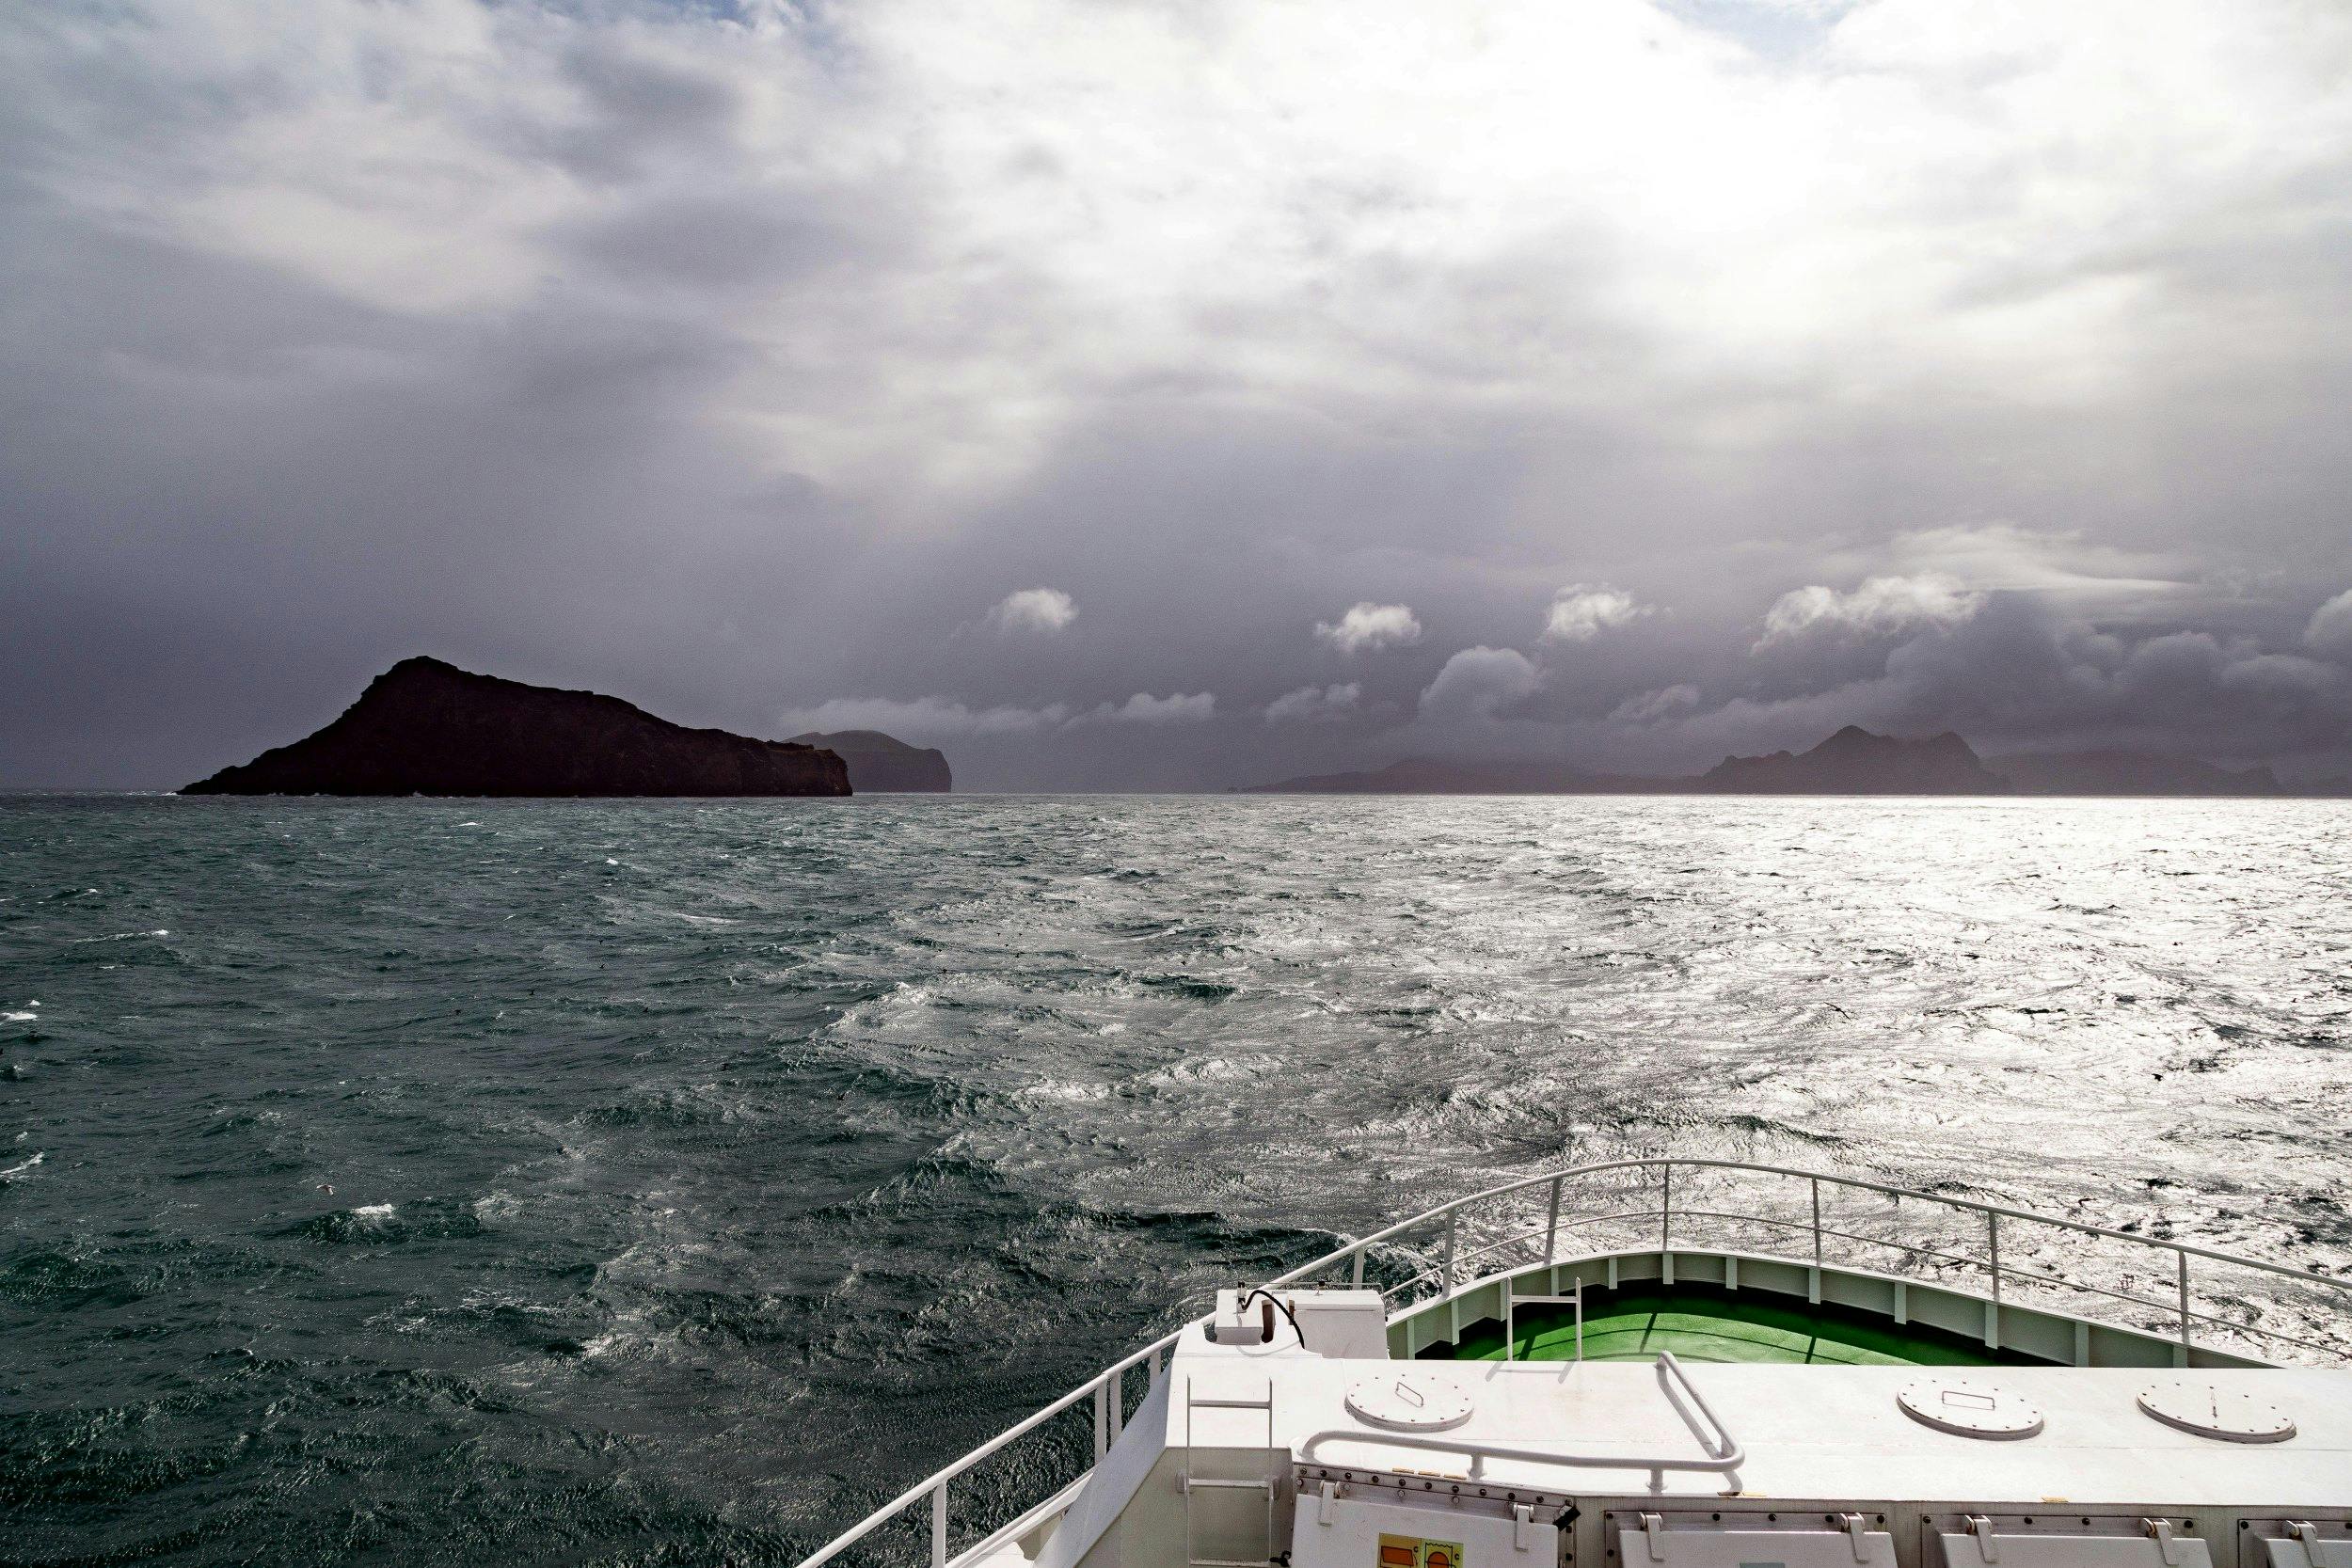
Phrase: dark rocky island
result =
(1853, 761)
(2133, 773)
(424, 727)
(1444, 776)
(1856, 762)
(884, 764)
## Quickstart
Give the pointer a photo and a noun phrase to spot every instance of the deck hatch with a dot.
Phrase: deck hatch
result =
(1345, 1528)
(1648, 1541)
(1969, 1407)
(2302, 1545)
(2155, 1546)
(2209, 1412)
(1409, 1400)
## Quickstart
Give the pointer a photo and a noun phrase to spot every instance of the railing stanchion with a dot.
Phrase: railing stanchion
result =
(1666, 1211)
(1102, 1421)
(939, 1526)
(1817, 1222)
(1993, 1254)
(1445, 1282)
(2182, 1280)
(1355, 1273)
(1118, 1402)
(1552, 1229)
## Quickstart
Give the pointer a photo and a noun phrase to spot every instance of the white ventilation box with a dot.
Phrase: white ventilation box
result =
(1348, 1326)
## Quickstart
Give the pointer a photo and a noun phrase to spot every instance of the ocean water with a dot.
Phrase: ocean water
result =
(648, 1182)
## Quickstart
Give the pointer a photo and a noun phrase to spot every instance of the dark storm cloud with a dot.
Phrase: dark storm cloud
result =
(1699, 377)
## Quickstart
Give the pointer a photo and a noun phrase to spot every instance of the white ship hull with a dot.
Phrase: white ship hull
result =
(1531, 1396)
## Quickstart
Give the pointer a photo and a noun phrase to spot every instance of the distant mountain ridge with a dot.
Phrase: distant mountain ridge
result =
(883, 763)
(2129, 773)
(1435, 776)
(1853, 761)
(426, 727)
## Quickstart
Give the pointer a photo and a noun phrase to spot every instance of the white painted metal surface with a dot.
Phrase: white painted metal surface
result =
(1817, 1432)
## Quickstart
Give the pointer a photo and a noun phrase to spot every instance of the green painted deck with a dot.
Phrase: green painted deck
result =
(1710, 1323)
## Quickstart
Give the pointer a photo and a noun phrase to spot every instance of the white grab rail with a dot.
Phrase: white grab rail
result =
(1723, 1453)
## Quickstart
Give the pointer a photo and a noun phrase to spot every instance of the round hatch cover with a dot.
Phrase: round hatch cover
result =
(1969, 1408)
(1409, 1401)
(2208, 1412)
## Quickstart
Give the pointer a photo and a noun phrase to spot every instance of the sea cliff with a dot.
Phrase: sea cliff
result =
(884, 764)
(425, 727)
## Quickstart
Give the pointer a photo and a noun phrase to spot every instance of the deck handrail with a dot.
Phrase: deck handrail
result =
(1107, 1387)
(2182, 1315)
(1660, 1161)
(936, 1482)
(1723, 1452)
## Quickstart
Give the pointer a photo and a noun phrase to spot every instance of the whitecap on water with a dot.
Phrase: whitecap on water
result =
(23, 1166)
(373, 1211)
(1064, 1089)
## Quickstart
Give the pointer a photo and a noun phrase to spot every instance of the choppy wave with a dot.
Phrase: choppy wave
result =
(417, 1181)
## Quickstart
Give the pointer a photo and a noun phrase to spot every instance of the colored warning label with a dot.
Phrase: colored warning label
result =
(1411, 1551)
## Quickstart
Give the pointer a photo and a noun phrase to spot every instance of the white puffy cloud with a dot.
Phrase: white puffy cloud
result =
(1174, 708)
(1476, 683)
(1034, 610)
(922, 718)
(1582, 611)
(1648, 707)
(1315, 705)
(2331, 628)
(2056, 564)
(1880, 605)
(1368, 625)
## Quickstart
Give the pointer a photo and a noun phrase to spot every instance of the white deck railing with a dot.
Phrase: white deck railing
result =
(1500, 1221)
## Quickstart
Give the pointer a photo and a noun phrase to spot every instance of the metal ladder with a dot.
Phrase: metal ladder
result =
(1510, 1315)
(1190, 1484)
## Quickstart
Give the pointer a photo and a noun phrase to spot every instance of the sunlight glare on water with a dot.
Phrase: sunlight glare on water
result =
(425, 1182)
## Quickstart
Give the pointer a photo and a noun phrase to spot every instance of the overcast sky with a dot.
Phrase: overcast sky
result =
(1142, 394)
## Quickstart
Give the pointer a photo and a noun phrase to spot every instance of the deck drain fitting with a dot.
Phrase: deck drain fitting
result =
(2208, 1412)
(1409, 1401)
(1969, 1409)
